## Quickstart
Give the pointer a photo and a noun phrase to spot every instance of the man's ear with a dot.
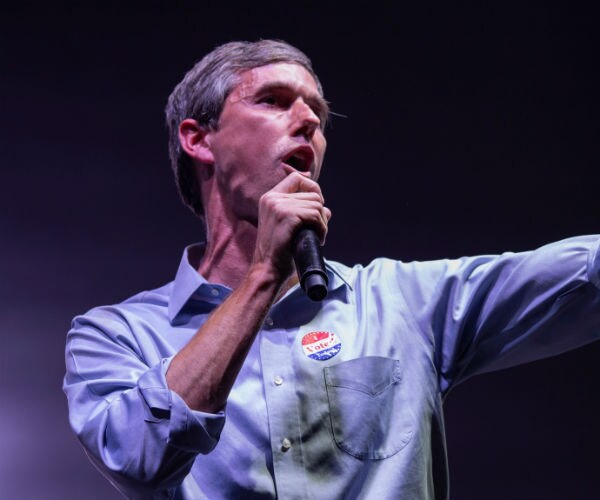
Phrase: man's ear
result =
(192, 137)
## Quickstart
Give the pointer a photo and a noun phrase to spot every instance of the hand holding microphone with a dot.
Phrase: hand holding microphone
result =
(292, 223)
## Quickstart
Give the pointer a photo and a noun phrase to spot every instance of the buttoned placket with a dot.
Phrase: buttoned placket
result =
(276, 346)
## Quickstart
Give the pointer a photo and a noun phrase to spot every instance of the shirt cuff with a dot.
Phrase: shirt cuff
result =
(189, 430)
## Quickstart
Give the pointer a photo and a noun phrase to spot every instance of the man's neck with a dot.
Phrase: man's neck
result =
(229, 250)
(231, 241)
(228, 254)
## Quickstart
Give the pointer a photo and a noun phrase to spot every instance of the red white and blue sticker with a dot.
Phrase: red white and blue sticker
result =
(321, 345)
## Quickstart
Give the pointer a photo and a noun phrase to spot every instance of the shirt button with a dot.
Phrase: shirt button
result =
(286, 444)
(214, 292)
(278, 380)
(269, 321)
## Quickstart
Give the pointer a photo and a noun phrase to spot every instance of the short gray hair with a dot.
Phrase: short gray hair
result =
(202, 93)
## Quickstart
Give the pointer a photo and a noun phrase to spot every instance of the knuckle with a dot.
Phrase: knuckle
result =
(269, 199)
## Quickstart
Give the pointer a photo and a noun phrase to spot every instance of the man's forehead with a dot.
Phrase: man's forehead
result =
(285, 74)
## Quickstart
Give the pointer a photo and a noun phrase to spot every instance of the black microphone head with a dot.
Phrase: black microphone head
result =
(315, 287)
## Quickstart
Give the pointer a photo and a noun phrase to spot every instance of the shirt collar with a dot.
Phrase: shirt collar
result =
(338, 275)
(189, 282)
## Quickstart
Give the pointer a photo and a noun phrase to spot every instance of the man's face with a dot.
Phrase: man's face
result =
(271, 118)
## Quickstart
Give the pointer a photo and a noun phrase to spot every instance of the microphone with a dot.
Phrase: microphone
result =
(309, 264)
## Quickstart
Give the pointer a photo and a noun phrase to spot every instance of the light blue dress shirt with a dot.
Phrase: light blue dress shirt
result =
(366, 423)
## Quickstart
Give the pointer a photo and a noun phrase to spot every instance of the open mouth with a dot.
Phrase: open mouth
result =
(300, 159)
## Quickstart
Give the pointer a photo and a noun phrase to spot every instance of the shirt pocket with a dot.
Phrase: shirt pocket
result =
(369, 418)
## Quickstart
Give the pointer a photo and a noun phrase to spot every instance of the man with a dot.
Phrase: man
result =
(230, 383)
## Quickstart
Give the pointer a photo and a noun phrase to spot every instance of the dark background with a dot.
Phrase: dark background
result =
(470, 129)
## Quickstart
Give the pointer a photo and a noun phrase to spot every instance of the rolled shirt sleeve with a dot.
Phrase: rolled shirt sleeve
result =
(139, 433)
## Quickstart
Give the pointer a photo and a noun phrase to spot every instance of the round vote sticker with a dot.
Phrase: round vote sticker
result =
(321, 345)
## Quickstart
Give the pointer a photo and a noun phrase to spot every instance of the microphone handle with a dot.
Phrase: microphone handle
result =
(309, 264)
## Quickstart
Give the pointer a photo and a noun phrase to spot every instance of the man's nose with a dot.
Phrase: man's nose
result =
(306, 121)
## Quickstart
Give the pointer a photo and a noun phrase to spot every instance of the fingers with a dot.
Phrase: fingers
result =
(296, 182)
(325, 215)
(297, 201)
(306, 207)
(299, 186)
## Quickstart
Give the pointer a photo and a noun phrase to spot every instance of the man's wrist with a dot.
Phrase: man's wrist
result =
(266, 277)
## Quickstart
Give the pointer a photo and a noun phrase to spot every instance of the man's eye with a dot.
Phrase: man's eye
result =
(271, 100)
